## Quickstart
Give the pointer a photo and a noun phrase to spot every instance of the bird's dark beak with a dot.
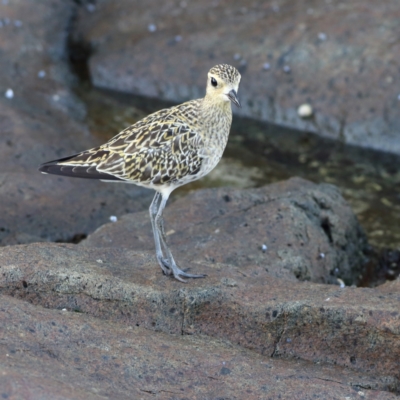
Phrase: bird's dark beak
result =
(233, 98)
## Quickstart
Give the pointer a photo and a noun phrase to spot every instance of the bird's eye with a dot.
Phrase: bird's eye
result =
(214, 82)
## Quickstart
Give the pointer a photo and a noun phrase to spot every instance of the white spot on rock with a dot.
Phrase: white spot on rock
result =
(113, 218)
(152, 28)
(178, 38)
(286, 69)
(237, 56)
(305, 111)
(9, 94)
(341, 283)
(91, 7)
(41, 74)
(264, 248)
(266, 66)
(17, 23)
(322, 36)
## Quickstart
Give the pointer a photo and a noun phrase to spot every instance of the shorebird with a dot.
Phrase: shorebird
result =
(163, 151)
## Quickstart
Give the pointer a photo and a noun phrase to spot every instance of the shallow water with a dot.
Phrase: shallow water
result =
(260, 153)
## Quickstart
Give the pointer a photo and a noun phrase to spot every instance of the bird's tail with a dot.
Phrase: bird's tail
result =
(81, 165)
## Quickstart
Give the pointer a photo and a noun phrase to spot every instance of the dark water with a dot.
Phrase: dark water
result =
(260, 153)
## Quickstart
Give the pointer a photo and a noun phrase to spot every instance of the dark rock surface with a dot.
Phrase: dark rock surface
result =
(308, 230)
(340, 57)
(357, 329)
(53, 354)
(44, 120)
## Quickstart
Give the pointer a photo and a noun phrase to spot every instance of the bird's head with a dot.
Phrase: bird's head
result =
(223, 83)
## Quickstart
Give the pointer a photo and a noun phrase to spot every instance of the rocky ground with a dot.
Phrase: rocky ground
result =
(98, 319)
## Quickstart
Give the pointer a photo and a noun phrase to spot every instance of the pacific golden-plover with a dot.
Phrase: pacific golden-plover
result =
(163, 151)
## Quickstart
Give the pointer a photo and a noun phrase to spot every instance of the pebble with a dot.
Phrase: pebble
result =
(322, 36)
(398, 97)
(305, 111)
(286, 69)
(91, 7)
(266, 66)
(237, 56)
(152, 27)
(178, 38)
(9, 93)
(113, 218)
(264, 248)
(17, 23)
(41, 74)
(341, 283)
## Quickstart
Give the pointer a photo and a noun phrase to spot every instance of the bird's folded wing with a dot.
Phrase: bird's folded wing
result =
(166, 153)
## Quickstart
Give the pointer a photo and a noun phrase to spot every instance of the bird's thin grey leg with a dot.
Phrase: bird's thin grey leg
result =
(171, 264)
(154, 206)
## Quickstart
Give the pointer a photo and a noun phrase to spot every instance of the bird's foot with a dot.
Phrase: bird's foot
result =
(177, 272)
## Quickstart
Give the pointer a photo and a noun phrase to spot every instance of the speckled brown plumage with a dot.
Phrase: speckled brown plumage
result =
(165, 150)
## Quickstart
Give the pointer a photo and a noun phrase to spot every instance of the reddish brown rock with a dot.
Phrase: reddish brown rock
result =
(355, 328)
(44, 120)
(49, 354)
(308, 231)
(340, 57)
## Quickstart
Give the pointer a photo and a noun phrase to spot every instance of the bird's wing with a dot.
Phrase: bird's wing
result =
(163, 147)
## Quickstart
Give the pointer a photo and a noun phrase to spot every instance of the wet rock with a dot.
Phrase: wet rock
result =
(293, 229)
(338, 57)
(357, 329)
(44, 120)
(54, 354)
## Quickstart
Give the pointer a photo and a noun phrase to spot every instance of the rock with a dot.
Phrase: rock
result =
(356, 329)
(54, 354)
(308, 231)
(289, 54)
(40, 207)
(44, 120)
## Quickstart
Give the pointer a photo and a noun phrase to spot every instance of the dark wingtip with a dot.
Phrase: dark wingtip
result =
(74, 171)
